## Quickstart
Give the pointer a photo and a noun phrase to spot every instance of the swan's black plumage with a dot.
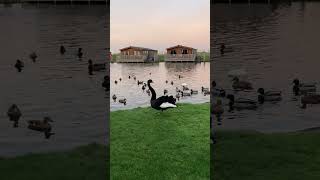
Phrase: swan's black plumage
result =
(156, 103)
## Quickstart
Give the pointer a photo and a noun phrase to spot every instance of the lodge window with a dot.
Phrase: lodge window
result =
(185, 51)
(173, 52)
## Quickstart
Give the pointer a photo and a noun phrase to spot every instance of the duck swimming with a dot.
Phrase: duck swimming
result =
(241, 85)
(114, 97)
(106, 83)
(162, 103)
(193, 91)
(33, 56)
(241, 103)
(178, 96)
(268, 96)
(79, 54)
(19, 65)
(165, 92)
(303, 88)
(42, 126)
(62, 50)
(14, 114)
(310, 99)
(218, 110)
(123, 101)
(148, 92)
(203, 89)
(186, 93)
(217, 91)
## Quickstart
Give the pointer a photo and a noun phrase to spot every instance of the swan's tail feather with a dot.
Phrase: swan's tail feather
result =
(167, 105)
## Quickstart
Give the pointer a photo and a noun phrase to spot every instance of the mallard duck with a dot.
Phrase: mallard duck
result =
(178, 96)
(268, 96)
(62, 49)
(19, 65)
(33, 56)
(123, 101)
(303, 88)
(218, 110)
(42, 126)
(114, 97)
(14, 114)
(186, 93)
(148, 92)
(165, 92)
(203, 89)
(241, 103)
(193, 91)
(79, 54)
(241, 85)
(310, 99)
(217, 91)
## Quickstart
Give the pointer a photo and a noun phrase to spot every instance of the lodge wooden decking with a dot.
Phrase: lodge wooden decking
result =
(180, 57)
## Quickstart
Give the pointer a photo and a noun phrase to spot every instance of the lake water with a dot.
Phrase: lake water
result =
(56, 85)
(195, 75)
(274, 43)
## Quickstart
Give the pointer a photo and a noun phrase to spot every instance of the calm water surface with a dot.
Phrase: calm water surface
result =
(56, 86)
(194, 74)
(274, 44)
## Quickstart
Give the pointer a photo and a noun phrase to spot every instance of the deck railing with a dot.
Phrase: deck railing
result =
(180, 57)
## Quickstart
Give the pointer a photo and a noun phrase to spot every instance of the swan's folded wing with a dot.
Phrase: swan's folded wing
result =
(167, 105)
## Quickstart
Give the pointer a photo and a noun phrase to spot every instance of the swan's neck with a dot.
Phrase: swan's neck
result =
(153, 93)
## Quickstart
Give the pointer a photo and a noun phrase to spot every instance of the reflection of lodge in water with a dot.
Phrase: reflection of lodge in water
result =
(181, 54)
(137, 54)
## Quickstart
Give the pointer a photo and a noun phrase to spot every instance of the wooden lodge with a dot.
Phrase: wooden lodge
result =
(181, 53)
(137, 54)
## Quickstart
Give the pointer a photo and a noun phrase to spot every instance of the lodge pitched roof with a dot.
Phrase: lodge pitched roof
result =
(137, 48)
(180, 46)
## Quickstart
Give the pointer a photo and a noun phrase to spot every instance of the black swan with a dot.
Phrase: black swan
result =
(163, 102)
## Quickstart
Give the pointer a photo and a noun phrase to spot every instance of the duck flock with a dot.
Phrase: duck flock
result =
(163, 102)
(305, 91)
(14, 113)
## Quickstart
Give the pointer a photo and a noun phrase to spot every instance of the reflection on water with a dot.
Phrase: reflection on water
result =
(275, 44)
(194, 74)
(56, 86)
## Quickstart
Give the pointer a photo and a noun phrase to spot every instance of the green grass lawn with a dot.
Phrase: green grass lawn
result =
(255, 156)
(149, 144)
(84, 163)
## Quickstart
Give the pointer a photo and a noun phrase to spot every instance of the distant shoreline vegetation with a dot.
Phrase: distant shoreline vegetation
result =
(203, 56)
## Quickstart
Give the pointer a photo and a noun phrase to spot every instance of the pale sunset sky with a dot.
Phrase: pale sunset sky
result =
(159, 24)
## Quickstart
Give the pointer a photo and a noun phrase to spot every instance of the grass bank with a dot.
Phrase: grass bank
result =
(149, 144)
(256, 156)
(86, 163)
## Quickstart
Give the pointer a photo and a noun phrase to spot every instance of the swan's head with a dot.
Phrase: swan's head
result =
(260, 91)
(296, 81)
(150, 81)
